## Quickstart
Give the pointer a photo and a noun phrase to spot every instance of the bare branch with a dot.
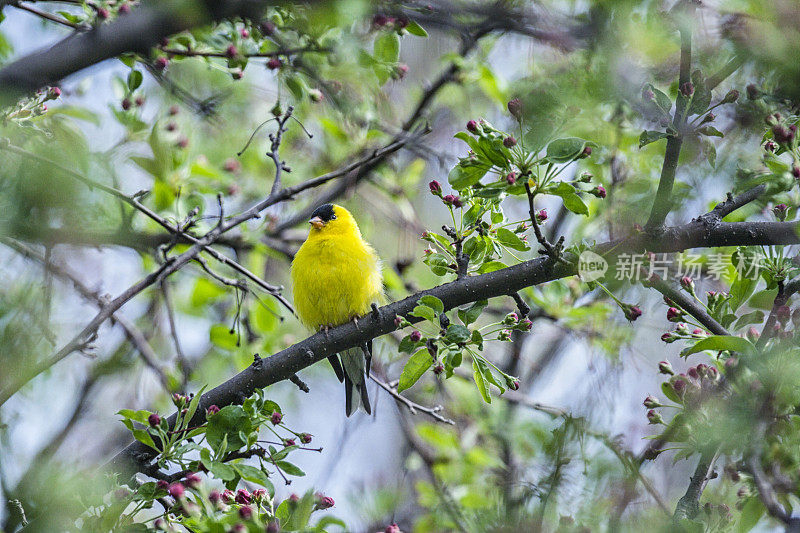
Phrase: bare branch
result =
(413, 407)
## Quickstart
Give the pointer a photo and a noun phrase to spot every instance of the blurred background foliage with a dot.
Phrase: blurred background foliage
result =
(172, 125)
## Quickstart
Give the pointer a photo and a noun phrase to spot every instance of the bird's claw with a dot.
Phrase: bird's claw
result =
(324, 328)
(355, 321)
(375, 311)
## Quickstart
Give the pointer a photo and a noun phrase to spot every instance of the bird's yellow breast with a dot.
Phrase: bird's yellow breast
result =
(334, 279)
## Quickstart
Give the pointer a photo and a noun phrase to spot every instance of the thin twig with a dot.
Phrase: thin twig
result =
(413, 407)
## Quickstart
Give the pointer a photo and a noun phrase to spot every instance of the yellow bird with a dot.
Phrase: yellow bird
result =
(336, 277)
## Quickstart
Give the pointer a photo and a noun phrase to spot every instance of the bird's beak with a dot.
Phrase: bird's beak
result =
(316, 222)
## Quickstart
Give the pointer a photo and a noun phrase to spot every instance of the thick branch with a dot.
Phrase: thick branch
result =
(317, 347)
(136, 32)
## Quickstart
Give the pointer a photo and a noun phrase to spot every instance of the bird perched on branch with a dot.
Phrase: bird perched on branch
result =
(336, 278)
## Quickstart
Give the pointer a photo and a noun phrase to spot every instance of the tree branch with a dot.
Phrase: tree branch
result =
(533, 272)
(136, 32)
(663, 201)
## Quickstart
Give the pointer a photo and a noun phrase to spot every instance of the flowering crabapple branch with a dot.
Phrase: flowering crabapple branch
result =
(501, 282)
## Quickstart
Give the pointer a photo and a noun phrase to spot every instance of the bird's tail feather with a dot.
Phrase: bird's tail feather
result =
(355, 380)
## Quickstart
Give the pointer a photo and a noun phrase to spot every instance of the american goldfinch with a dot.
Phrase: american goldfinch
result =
(336, 277)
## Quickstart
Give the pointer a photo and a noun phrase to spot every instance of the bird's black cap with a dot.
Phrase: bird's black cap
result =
(324, 212)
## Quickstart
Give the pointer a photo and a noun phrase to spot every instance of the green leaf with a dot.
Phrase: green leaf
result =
(457, 333)
(134, 80)
(754, 317)
(425, 312)
(415, 29)
(220, 335)
(670, 393)
(648, 137)
(710, 131)
(491, 266)
(471, 313)
(701, 98)
(480, 381)
(415, 367)
(227, 423)
(709, 150)
(433, 302)
(721, 342)
(387, 47)
(741, 290)
(438, 264)
(752, 511)
(661, 101)
(144, 437)
(251, 473)
(463, 176)
(509, 239)
(290, 469)
(407, 345)
(565, 150)
(222, 471)
(574, 203)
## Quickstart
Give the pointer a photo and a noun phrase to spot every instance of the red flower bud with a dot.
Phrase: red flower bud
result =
(305, 438)
(393, 528)
(415, 336)
(438, 369)
(124, 9)
(245, 513)
(783, 314)
(731, 97)
(472, 126)
(587, 151)
(274, 63)
(688, 284)
(668, 338)
(457, 202)
(245, 33)
(651, 402)
(162, 485)
(276, 418)
(161, 63)
(126, 104)
(231, 51)
(511, 178)
(541, 216)
(780, 211)
(509, 142)
(665, 368)
(289, 442)
(435, 187)
(154, 420)
(687, 89)
(599, 191)
(103, 13)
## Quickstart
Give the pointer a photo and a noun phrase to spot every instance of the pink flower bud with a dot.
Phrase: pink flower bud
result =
(688, 284)
(654, 417)
(541, 216)
(692, 372)
(753, 334)
(245, 33)
(510, 319)
(631, 312)
(525, 324)
(438, 369)
(587, 151)
(780, 211)
(448, 199)
(192, 480)
(103, 13)
(651, 402)
(245, 513)
(126, 104)
(162, 485)
(393, 528)
(276, 418)
(679, 385)
(509, 142)
(415, 336)
(783, 314)
(511, 178)
(294, 498)
(472, 126)
(435, 187)
(665, 368)
(259, 495)
(231, 51)
(154, 420)
(457, 202)
(323, 502)
(214, 497)
(674, 314)
(176, 490)
(770, 146)
(687, 89)
(599, 191)
(289, 442)
(274, 63)
(243, 497)
(305, 438)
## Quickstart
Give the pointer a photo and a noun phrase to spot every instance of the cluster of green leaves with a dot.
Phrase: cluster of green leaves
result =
(441, 344)
(512, 164)
(221, 448)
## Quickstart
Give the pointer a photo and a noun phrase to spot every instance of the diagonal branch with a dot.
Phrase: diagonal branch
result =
(280, 366)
